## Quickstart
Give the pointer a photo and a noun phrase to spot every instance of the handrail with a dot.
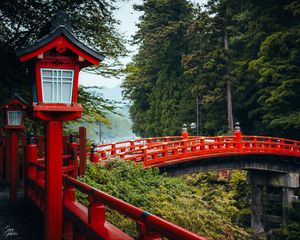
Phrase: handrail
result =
(155, 223)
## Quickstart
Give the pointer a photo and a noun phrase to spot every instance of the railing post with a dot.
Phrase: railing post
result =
(82, 150)
(144, 156)
(184, 147)
(165, 152)
(41, 141)
(145, 233)
(31, 156)
(132, 145)
(113, 149)
(94, 155)
(238, 135)
(184, 132)
(96, 213)
(68, 196)
(149, 141)
(73, 149)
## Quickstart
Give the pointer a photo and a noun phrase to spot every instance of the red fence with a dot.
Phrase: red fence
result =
(41, 145)
(80, 222)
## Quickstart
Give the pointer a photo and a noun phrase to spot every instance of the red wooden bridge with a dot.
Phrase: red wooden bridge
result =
(164, 152)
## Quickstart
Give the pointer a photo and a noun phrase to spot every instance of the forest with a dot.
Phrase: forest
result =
(245, 53)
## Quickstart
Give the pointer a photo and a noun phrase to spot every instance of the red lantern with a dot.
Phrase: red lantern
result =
(14, 121)
(14, 113)
(57, 59)
(54, 62)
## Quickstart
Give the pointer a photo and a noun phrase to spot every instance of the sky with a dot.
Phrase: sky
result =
(128, 19)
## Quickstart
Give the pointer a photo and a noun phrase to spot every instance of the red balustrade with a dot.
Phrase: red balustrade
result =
(152, 152)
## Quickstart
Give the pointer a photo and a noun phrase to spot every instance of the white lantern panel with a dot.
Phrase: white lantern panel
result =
(66, 91)
(57, 85)
(14, 118)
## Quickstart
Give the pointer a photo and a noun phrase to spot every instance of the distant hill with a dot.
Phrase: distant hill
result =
(114, 93)
(120, 128)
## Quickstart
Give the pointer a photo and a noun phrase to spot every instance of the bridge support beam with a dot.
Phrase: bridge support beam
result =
(273, 179)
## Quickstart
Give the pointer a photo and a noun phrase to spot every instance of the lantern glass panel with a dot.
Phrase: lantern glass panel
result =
(57, 85)
(14, 118)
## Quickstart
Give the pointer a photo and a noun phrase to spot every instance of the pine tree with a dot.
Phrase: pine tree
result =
(160, 95)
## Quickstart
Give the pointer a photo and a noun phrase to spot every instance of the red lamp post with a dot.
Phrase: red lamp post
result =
(55, 61)
(14, 122)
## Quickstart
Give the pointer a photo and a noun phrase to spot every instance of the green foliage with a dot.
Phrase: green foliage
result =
(183, 56)
(202, 209)
(278, 66)
(155, 84)
(235, 189)
(23, 22)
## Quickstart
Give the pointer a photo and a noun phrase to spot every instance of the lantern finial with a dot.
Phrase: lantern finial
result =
(61, 19)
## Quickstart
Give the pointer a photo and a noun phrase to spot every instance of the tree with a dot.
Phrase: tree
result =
(160, 95)
(267, 69)
(209, 64)
(23, 22)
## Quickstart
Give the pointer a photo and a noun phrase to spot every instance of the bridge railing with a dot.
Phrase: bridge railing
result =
(103, 151)
(160, 152)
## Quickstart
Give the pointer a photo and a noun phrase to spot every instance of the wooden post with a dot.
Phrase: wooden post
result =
(13, 166)
(53, 181)
(73, 149)
(256, 209)
(82, 150)
(6, 159)
(31, 156)
(94, 158)
(287, 194)
(41, 140)
(68, 196)
(1, 155)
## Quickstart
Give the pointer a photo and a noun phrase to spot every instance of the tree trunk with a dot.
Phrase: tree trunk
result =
(229, 99)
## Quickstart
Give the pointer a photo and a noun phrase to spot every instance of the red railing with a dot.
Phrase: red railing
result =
(80, 222)
(92, 220)
(103, 151)
(158, 153)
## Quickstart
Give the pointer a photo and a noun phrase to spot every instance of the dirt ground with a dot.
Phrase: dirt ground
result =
(17, 222)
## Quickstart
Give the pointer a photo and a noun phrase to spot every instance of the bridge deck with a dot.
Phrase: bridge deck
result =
(17, 222)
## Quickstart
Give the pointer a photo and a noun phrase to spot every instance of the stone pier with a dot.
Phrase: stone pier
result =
(286, 181)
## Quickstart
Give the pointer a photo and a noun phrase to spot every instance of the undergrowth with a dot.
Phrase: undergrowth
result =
(209, 212)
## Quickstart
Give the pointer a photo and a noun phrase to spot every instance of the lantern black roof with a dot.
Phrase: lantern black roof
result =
(58, 26)
(14, 98)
